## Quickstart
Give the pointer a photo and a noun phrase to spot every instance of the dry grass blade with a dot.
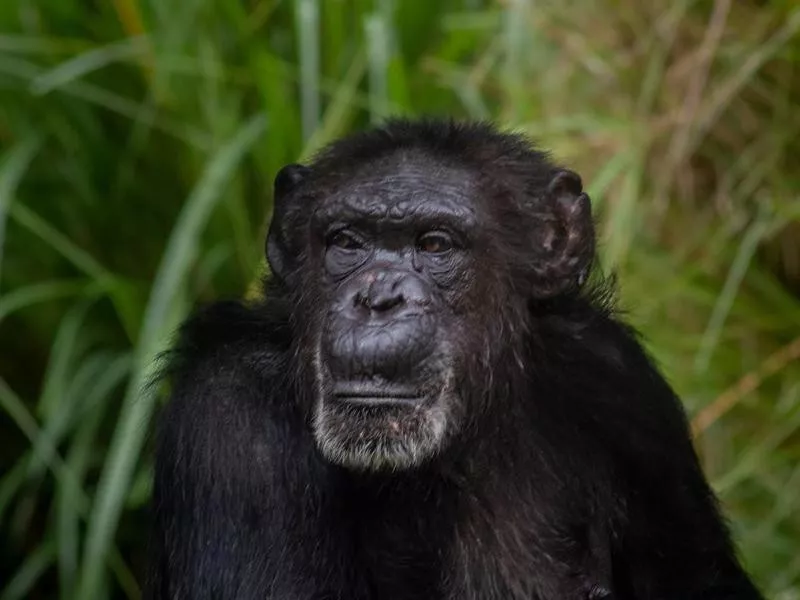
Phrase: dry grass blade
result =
(750, 382)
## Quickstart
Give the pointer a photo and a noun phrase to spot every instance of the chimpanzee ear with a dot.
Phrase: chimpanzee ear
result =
(567, 243)
(278, 254)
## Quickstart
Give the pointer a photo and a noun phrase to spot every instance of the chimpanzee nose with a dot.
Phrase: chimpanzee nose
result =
(391, 293)
(382, 326)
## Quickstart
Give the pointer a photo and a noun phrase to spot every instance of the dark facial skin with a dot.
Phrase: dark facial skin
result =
(396, 256)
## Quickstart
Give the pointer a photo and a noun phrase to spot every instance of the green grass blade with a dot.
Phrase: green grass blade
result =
(340, 110)
(12, 167)
(29, 573)
(377, 32)
(41, 292)
(64, 355)
(722, 308)
(622, 218)
(69, 501)
(10, 484)
(15, 408)
(84, 261)
(83, 64)
(307, 25)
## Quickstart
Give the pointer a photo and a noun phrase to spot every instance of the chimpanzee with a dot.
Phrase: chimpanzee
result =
(433, 400)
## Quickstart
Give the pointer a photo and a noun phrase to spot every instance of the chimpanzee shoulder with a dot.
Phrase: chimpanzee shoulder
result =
(256, 331)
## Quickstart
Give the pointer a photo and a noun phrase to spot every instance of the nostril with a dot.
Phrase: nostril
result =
(383, 302)
(377, 300)
(359, 299)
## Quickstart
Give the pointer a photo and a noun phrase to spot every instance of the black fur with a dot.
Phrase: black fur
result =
(575, 478)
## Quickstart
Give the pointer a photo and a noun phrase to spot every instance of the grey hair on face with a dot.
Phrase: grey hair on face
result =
(389, 442)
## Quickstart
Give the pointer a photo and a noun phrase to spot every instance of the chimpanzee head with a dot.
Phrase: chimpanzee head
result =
(412, 254)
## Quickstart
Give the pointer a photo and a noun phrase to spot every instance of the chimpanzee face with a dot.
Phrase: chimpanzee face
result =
(395, 256)
(400, 275)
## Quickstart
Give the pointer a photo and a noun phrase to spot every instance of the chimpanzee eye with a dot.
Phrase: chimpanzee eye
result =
(344, 240)
(435, 242)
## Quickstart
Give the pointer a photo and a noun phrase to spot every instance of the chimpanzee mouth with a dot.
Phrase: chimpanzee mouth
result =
(370, 394)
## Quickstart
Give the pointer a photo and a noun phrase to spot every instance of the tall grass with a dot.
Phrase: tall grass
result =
(138, 141)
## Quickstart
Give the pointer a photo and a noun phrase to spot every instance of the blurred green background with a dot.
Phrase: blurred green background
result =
(139, 139)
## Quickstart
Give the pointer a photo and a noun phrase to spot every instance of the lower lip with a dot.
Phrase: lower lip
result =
(378, 399)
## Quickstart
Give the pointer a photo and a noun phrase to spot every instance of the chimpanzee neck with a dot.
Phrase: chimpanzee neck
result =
(470, 514)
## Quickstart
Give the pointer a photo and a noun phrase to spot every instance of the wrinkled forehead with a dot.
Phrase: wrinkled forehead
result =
(400, 188)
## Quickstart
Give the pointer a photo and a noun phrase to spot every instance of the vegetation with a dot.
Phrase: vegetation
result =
(139, 138)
